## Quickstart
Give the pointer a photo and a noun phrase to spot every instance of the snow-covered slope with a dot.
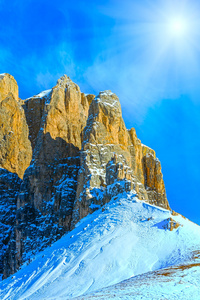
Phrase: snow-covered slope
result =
(174, 283)
(125, 238)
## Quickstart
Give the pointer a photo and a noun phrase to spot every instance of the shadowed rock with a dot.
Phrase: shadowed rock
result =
(9, 188)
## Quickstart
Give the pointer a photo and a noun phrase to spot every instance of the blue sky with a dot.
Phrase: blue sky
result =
(127, 47)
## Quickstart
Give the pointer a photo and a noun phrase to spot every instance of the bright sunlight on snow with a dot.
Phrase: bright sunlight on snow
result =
(125, 238)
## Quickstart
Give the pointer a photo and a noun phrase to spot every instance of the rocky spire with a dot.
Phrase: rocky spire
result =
(15, 147)
(83, 154)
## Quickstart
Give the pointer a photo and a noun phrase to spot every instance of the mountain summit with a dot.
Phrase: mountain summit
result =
(63, 155)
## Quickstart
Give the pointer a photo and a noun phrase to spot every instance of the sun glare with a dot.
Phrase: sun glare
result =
(178, 27)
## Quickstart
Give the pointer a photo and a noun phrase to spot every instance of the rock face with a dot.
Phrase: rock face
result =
(113, 158)
(82, 156)
(15, 147)
(49, 187)
(9, 189)
(8, 85)
(168, 224)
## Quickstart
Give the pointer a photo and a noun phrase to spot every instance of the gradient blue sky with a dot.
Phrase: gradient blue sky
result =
(124, 46)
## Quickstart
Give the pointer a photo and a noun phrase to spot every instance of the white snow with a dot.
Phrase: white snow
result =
(106, 93)
(117, 242)
(109, 104)
(42, 94)
(178, 282)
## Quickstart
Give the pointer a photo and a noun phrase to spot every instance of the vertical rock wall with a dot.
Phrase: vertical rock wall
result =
(48, 191)
(15, 147)
(112, 155)
(9, 189)
(82, 156)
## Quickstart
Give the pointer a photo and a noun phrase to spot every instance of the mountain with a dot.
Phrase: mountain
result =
(83, 201)
(69, 148)
(124, 238)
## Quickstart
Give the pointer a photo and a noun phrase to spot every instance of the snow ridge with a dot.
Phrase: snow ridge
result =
(116, 242)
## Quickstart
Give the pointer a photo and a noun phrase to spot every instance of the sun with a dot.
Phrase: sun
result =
(178, 27)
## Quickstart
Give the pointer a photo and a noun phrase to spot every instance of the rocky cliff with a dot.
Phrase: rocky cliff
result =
(74, 153)
(15, 147)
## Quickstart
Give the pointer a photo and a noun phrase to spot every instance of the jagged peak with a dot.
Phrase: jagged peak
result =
(107, 92)
(63, 79)
(66, 82)
(63, 82)
(107, 97)
(3, 75)
(109, 101)
(7, 76)
(8, 85)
